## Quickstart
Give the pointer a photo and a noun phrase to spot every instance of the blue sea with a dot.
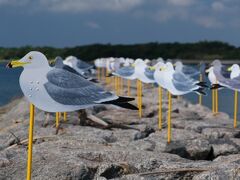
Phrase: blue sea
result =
(10, 89)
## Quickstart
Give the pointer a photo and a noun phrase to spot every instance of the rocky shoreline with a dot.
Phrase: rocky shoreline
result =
(203, 146)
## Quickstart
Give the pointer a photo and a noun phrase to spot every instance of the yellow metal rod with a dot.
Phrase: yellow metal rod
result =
(169, 116)
(235, 108)
(213, 101)
(160, 108)
(30, 142)
(119, 86)
(116, 84)
(107, 78)
(103, 74)
(140, 99)
(65, 116)
(216, 104)
(57, 119)
(129, 87)
(98, 73)
(200, 96)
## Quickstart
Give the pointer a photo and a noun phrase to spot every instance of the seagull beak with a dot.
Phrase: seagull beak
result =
(152, 68)
(162, 68)
(229, 69)
(133, 65)
(14, 64)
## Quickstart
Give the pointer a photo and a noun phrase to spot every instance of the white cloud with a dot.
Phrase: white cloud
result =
(217, 6)
(90, 5)
(93, 25)
(181, 2)
(208, 22)
(13, 2)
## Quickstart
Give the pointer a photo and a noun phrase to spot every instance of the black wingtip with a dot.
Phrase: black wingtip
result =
(200, 91)
(94, 80)
(126, 106)
(216, 86)
(109, 75)
(202, 84)
(122, 102)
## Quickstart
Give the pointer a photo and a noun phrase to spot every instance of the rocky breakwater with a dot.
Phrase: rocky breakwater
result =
(203, 146)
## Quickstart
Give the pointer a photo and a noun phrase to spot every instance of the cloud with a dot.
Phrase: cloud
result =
(217, 6)
(13, 2)
(90, 5)
(93, 25)
(208, 22)
(181, 2)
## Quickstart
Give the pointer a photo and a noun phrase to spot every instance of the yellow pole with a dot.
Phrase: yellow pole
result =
(213, 101)
(30, 142)
(116, 84)
(65, 116)
(119, 85)
(169, 116)
(107, 78)
(122, 85)
(129, 87)
(140, 99)
(235, 108)
(216, 104)
(200, 96)
(160, 108)
(98, 73)
(57, 119)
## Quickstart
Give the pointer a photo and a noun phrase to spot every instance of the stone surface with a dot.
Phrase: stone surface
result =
(203, 146)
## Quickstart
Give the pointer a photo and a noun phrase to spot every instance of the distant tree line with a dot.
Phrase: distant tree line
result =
(204, 50)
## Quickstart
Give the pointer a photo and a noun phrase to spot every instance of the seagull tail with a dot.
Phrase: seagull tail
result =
(216, 86)
(122, 102)
(109, 75)
(202, 84)
(94, 80)
(200, 91)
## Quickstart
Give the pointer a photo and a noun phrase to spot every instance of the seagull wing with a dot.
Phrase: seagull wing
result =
(83, 65)
(125, 71)
(70, 89)
(188, 70)
(182, 82)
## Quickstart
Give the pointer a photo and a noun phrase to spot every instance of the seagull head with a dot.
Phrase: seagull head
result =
(178, 65)
(33, 59)
(209, 70)
(160, 66)
(169, 66)
(139, 62)
(216, 63)
(234, 68)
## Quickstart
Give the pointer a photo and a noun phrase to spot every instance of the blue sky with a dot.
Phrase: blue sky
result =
(62, 23)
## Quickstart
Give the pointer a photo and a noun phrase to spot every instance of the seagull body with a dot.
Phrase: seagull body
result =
(235, 71)
(177, 83)
(77, 64)
(187, 70)
(211, 76)
(233, 84)
(57, 90)
(140, 68)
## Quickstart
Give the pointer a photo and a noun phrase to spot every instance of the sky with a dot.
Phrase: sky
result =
(67, 23)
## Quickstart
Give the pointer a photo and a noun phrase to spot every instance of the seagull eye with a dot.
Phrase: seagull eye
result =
(30, 57)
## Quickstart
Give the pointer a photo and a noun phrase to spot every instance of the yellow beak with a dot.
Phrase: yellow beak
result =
(229, 69)
(152, 68)
(162, 68)
(14, 64)
(133, 65)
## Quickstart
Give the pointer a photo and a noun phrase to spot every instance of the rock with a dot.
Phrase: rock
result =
(224, 146)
